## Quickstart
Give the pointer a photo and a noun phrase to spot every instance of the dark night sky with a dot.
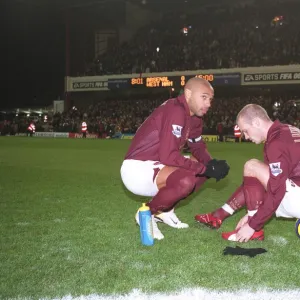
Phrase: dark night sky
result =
(34, 53)
(34, 48)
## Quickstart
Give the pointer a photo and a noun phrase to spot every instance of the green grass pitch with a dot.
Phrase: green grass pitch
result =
(67, 227)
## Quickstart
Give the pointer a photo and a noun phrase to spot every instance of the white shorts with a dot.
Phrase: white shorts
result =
(290, 204)
(137, 176)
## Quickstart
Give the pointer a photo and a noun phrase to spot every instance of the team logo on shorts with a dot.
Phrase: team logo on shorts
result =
(275, 168)
(177, 130)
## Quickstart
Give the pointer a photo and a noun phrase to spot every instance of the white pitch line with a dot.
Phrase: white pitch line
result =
(195, 294)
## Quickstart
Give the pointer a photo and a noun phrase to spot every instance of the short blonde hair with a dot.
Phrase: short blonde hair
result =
(252, 111)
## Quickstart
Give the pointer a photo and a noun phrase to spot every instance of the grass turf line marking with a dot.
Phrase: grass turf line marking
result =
(195, 294)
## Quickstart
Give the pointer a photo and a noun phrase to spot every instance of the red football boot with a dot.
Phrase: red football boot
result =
(231, 236)
(209, 220)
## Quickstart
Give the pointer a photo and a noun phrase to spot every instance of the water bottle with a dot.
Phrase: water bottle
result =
(146, 230)
(297, 228)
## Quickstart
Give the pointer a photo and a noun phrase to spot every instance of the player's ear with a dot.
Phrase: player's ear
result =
(187, 93)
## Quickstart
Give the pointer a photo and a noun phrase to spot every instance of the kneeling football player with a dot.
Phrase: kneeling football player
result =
(269, 187)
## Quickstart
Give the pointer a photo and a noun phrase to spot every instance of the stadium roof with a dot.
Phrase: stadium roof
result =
(28, 110)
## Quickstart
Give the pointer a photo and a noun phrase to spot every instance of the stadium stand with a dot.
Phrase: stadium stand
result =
(108, 117)
(240, 36)
(228, 37)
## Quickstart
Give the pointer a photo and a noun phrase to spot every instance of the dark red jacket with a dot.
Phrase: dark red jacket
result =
(282, 155)
(164, 133)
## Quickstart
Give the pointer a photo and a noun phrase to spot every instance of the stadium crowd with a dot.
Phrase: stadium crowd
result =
(240, 36)
(108, 118)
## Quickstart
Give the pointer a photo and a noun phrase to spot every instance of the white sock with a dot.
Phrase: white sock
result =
(251, 213)
(228, 208)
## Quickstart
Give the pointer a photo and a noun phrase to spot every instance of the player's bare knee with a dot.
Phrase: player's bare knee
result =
(186, 185)
(251, 167)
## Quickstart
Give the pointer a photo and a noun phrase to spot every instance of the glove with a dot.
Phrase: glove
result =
(251, 252)
(217, 169)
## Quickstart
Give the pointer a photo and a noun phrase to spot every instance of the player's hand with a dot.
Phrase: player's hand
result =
(242, 222)
(244, 234)
(217, 169)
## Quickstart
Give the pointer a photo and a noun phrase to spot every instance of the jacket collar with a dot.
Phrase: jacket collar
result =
(274, 127)
(182, 100)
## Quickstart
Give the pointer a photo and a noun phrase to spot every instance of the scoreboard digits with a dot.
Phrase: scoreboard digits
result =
(174, 82)
(182, 80)
(208, 77)
(137, 81)
(167, 81)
